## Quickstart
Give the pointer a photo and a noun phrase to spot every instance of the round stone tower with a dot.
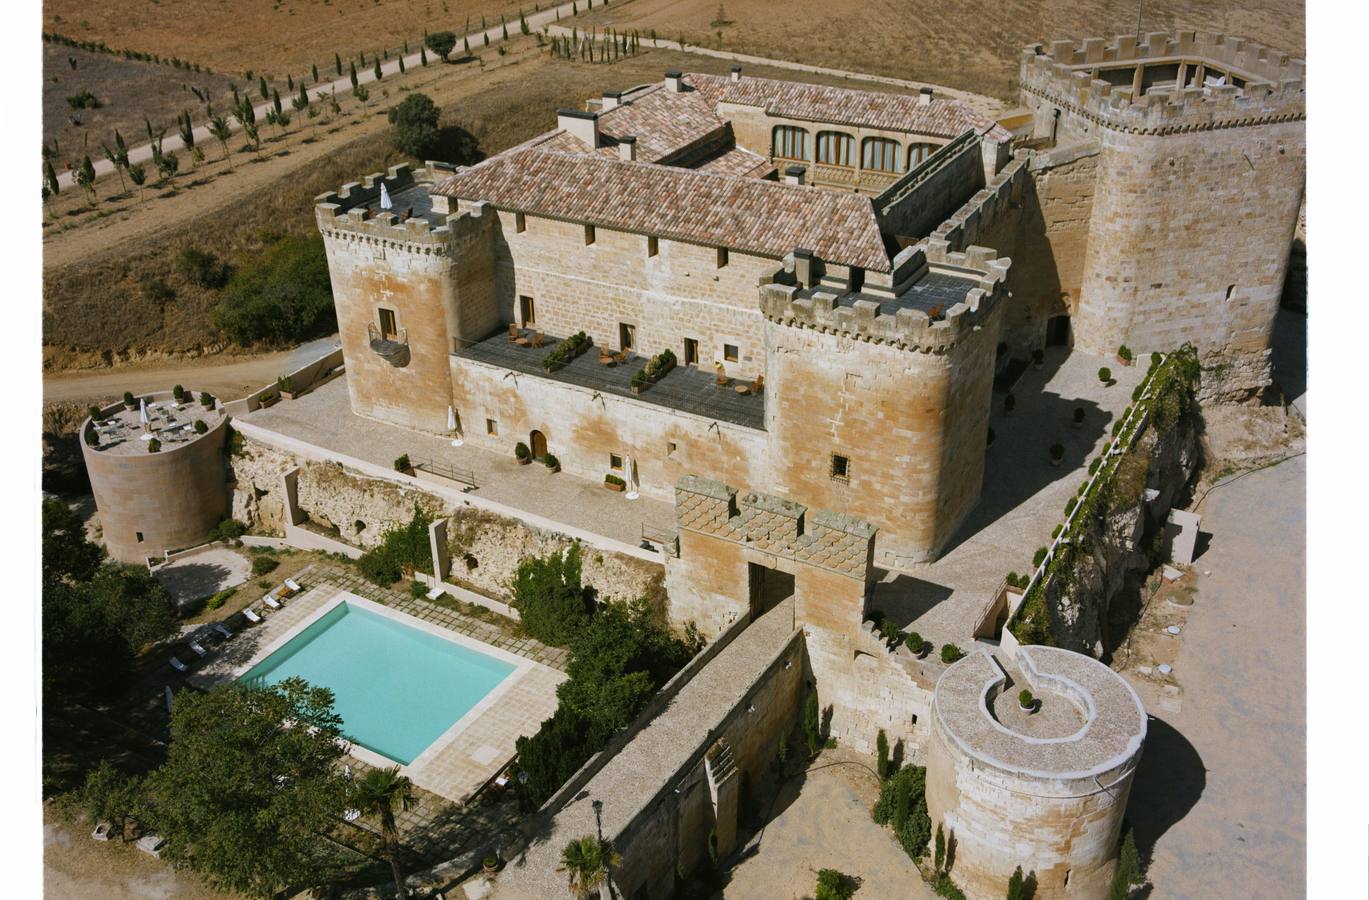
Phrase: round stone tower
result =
(1044, 789)
(149, 502)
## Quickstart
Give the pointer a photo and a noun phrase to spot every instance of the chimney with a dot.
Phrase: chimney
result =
(674, 81)
(924, 97)
(612, 100)
(793, 175)
(627, 148)
(582, 125)
(736, 73)
(803, 266)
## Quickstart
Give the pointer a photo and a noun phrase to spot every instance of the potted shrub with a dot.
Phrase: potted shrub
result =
(638, 382)
(1027, 701)
(1078, 420)
(200, 427)
(93, 411)
(915, 643)
(491, 864)
(950, 653)
(1009, 404)
(1057, 454)
(614, 483)
(1105, 375)
(286, 388)
(552, 463)
(402, 464)
(1038, 358)
(1124, 356)
(92, 437)
(178, 393)
(206, 400)
(130, 401)
(267, 398)
(522, 453)
(154, 446)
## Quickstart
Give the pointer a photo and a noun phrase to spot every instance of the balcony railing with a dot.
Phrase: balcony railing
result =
(394, 349)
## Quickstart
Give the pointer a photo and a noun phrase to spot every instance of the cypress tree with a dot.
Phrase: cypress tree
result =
(275, 100)
(353, 74)
(504, 25)
(423, 56)
(290, 83)
(265, 93)
(337, 60)
(377, 68)
(314, 70)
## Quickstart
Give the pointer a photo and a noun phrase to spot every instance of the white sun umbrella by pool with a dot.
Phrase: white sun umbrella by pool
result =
(451, 423)
(384, 197)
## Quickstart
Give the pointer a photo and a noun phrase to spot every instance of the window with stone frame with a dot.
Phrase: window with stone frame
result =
(790, 142)
(492, 427)
(836, 148)
(881, 155)
(841, 467)
(731, 353)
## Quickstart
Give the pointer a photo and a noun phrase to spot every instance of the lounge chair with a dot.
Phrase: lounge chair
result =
(199, 650)
(622, 356)
(293, 585)
(178, 665)
(219, 627)
(251, 616)
(352, 815)
(271, 601)
(537, 338)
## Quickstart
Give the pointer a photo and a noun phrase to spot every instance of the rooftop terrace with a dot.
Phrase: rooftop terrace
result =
(173, 424)
(684, 388)
(933, 294)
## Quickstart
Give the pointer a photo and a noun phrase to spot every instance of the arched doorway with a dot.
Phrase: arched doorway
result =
(537, 442)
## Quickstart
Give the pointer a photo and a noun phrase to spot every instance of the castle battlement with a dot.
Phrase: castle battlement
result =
(893, 315)
(1272, 84)
(983, 209)
(350, 212)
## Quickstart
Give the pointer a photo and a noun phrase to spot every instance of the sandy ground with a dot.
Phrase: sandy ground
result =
(824, 823)
(74, 866)
(1220, 794)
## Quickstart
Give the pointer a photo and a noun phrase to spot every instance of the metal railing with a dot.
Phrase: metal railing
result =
(442, 470)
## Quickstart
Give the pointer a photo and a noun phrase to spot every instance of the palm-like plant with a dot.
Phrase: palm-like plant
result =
(586, 862)
(218, 127)
(380, 792)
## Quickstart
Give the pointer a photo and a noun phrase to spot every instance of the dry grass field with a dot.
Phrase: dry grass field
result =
(128, 91)
(269, 36)
(98, 259)
(972, 47)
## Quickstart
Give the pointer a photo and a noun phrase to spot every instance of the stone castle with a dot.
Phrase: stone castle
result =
(783, 307)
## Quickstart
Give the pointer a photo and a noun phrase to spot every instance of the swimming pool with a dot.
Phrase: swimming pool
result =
(396, 687)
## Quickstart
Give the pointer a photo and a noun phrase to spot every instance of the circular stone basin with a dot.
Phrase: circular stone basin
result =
(1055, 717)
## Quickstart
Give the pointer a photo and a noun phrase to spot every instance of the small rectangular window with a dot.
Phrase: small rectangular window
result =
(670, 448)
(653, 246)
(589, 234)
(388, 324)
(722, 257)
(627, 336)
(730, 353)
(691, 352)
(615, 462)
(520, 223)
(139, 535)
(491, 427)
(841, 467)
(528, 310)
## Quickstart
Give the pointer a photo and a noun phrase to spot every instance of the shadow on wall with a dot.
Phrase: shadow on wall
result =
(1018, 465)
(1168, 783)
(903, 599)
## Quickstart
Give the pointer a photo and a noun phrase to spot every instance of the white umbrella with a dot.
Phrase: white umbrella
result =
(384, 197)
(142, 413)
(630, 470)
(168, 698)
(451, 423)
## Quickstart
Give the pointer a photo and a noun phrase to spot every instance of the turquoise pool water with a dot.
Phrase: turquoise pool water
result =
(396, 688)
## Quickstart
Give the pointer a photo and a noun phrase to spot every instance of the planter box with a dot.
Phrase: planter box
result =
(523, 461)
(615, 487)
(265, 402)
(1124, 362)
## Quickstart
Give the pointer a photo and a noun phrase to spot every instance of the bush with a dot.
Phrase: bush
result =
(441, 42)
(1155, 358)
(130, 401)
(402, 463)
(379, 568)
(1038, 557)
(1093, 466)
(614, 479)
(415, 130)
(262, 565)
(178, 393)
(1128, 869)
(282, 296)
(206, 400)
(882, 754)
(950, 653)
(202, 268)
(418, 590)
(157, 291)
(521, 451)
(1124, 353)
(1069, 506)
(1055, 532)
(92, 437)
(914, 641)
(154, 446)
(220, 598)
(834, 885)
(93, 411)
(1025, 698)
(227, 530)
(549, 596)
(402, 550)
(551, 462)
(1105, 375)
(902, 805)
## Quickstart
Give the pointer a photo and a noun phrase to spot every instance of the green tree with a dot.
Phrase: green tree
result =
(381, 792)
(1015, 885)
(67, 554)
(50, 178)
(138, 175)
(903, 806)
(441, 42)
(110, 795)
(218, 127)
(939, 853)
(588, 862)
(250, 783)
(415, 131)
(551, 601)
(378, 73)
(265, 92)
(314, 72)
(85, 176)
(423, 56)
(811, 723)
(337, 61)
(882, 748)
(118, 158)
(352, 73)
(1128, 869)
(282, 296)
(275, 101)
(187, 132)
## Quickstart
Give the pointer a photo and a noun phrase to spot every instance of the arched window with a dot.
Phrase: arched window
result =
(790, 142)
(917, 153)
(836, 149)
(880, 155)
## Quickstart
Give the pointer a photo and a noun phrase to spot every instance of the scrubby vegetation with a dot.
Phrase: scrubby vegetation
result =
(284, 296)
(415, 131)
(903, 807)
(403, 550)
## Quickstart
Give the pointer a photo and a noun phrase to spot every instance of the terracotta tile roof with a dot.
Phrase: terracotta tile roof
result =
(736, 161)
(663, 123)
(942, 117)
(745, 214)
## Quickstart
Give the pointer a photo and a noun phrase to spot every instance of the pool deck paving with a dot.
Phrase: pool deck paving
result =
(458, 764)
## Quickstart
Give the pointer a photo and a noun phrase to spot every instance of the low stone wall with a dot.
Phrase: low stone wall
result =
(302, 380)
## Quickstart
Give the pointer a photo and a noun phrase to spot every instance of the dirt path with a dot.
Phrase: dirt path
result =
(224, 377)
